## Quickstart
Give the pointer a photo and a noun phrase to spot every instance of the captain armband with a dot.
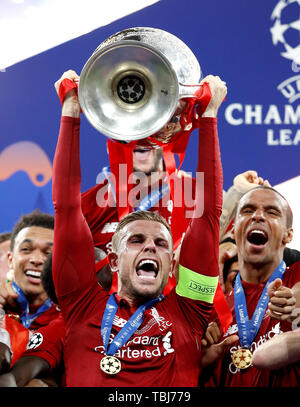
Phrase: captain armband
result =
(196, 286)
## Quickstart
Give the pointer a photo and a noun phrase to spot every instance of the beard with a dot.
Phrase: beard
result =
(156, 165)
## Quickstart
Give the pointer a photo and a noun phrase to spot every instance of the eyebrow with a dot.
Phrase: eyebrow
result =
(31, 241)
(253, 206)
(141, 235)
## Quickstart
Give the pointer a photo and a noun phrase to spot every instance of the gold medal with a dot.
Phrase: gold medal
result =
(110, 365)
(242, 358)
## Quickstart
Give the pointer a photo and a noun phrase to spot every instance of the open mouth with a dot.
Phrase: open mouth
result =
(147, 269)
(257, 237)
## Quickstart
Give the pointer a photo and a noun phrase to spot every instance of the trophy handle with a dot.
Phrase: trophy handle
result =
(188, 91)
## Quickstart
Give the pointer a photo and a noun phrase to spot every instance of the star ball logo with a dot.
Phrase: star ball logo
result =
(285, 35)
(282, 119)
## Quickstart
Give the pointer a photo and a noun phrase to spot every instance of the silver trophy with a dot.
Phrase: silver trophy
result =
(132, 84)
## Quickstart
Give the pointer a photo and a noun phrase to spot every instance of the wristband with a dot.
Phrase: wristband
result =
(65, 86)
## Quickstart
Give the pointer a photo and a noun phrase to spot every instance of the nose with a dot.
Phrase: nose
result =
(37, 258)
(150, 245)
(258, 215)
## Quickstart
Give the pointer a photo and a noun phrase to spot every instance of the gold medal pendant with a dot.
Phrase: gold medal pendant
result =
(242, 358)
(110, 365)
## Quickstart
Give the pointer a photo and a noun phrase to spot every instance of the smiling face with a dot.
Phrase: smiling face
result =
(261, 228)
(31, 247)
(143, 259)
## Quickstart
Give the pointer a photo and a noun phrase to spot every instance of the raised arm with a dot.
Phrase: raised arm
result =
(280, 351)
(73, 252)
(199, 270)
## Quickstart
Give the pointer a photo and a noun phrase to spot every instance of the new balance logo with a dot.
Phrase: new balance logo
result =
(110, 227)
(119, 321)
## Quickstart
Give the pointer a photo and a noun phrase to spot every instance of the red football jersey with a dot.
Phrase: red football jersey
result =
(41, 320)
(47, 342)
(166, 348)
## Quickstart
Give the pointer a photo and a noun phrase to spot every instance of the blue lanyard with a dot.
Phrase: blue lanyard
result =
(27, 319)
(146, 203)
(128, 329)
(152, 198)
(248, 329)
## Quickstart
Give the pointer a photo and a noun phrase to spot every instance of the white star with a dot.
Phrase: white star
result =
(295, 24)
(293, 1)
(277, 32)
(292, 53)
(278, 8)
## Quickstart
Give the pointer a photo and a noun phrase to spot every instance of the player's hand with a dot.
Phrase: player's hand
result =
(71, 106)
(8, 380)
(213, 351)
(282, 301)
(227, 250)
(212, 334)
(36, 383)
(247, 180)
(7, 295)
(218, 91)
(5, 358)
(70, 74)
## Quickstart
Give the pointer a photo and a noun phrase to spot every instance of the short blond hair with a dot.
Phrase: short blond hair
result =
(138, 215)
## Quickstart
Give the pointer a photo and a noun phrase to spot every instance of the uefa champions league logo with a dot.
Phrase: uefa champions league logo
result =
(285, 35)
(281, 29)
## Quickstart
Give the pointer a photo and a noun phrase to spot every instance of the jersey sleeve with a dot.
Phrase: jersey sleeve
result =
(73, 251)
(47, 343)
(199, 265)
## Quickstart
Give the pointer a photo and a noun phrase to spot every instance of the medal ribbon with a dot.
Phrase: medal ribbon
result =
(128, 329)
(25, 318)
(248, 329)
(152, 198)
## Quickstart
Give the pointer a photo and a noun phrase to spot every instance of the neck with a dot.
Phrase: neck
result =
(135, 301)
(257, 273)
(38, 299)
(32, 298)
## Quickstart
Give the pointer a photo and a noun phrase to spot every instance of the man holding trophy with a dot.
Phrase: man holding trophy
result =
(112, 338)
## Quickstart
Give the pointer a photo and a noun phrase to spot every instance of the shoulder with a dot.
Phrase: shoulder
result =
(292, 274)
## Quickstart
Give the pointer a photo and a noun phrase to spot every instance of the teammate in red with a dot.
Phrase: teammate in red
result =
(262, 229)
(165, 348)
(25, 298)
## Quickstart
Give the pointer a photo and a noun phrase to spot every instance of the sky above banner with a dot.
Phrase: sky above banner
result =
(31, 27)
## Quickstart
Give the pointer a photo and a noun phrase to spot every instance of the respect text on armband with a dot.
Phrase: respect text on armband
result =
(201, 288)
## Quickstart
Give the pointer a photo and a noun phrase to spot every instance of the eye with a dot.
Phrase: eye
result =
(136, 239)
(24, 249)
(162, 243)
(273, 212)
(247, 210)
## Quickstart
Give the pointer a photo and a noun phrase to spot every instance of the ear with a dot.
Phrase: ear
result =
(174, 268)
(113, 261)
(10, 260)
(288, 236)
(232, 232)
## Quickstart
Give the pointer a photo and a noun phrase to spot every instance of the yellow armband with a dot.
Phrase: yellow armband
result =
(196, 286)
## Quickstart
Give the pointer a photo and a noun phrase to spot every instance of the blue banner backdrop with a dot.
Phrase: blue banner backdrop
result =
(252, 45)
